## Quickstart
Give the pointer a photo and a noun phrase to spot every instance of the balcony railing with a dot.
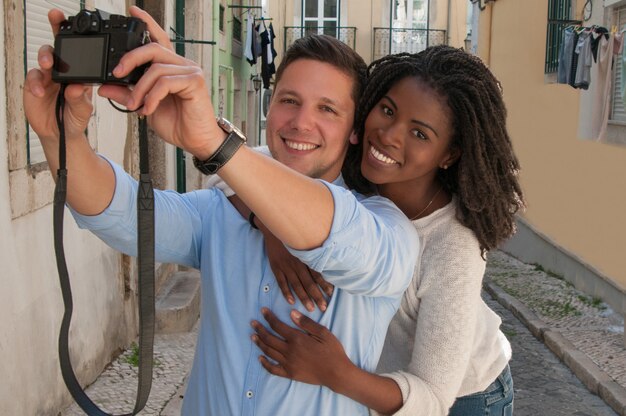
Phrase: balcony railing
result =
(405, 40)
(346, 34)
(554, 40)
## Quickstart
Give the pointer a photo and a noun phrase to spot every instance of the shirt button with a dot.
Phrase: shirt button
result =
(249, 394)
(266, 288)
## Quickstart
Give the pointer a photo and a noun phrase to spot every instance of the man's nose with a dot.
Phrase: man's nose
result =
(303, 119)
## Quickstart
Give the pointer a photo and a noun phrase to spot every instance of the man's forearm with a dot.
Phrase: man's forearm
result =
(298, 210)
(90, 179)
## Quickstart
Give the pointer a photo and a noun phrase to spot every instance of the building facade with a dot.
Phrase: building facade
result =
(574, 183)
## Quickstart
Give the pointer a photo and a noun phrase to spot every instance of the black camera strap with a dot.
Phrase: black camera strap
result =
(145, 265)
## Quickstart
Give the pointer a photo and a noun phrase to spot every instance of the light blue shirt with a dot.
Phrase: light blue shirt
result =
(369, 256)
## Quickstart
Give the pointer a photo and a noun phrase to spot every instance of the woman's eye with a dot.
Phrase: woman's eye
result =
(419, 135)
(387, 111)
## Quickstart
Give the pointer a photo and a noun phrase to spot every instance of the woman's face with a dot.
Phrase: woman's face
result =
(407, 136)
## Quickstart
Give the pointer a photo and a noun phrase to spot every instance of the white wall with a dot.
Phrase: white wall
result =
(31, 305)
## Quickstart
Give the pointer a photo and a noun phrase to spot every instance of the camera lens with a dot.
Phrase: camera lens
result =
(83, 22)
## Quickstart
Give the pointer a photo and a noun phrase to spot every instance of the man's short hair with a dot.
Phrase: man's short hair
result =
(329, 50)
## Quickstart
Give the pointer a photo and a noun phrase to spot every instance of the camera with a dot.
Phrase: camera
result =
(90, 45)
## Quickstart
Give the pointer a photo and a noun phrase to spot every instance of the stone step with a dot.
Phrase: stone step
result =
(178, 302)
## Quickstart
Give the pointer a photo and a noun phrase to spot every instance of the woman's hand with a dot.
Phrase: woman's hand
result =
(291, 273)
(313, 355)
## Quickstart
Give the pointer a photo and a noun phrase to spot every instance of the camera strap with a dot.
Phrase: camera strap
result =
(145, 265)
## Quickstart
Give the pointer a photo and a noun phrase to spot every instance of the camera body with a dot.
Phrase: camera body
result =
(90, 45)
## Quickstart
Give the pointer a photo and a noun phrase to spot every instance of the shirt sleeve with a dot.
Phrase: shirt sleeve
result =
(371, 249)
(176, 214)
(449, 298)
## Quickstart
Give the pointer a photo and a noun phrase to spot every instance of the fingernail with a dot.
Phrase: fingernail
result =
(118, 69)
(323, 307)
(45, 59)
(296, 314)
(254, 338)
(38, 91)
(290, 300)
(310, 307)
(253, 324)
(264, 311)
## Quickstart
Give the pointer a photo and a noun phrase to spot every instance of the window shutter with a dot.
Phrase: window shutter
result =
(38, 33)
(618, 112)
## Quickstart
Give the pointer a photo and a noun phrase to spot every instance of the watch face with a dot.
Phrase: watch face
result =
(229, 127)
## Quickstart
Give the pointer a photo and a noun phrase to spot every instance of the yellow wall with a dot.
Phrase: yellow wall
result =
(575, 189)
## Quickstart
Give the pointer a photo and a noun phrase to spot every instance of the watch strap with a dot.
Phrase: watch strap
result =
(222, 155)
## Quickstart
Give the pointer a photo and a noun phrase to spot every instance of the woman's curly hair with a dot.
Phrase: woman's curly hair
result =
(485, 177)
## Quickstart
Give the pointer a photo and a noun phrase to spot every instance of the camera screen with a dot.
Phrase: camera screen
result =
(80, 57)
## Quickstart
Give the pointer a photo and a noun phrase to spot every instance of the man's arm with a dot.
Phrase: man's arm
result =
(298, 210)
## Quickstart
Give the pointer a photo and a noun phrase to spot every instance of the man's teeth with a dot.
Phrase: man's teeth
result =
(300, 146)
(381, 157)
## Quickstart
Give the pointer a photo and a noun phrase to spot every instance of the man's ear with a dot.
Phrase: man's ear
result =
(353, 138)
(453, 155)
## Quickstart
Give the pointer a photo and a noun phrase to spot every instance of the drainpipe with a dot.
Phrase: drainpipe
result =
(485, 51)
(448, 22)
(215, 56)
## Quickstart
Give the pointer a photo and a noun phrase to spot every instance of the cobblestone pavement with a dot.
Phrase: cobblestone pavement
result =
(115, 389)
(543, 384)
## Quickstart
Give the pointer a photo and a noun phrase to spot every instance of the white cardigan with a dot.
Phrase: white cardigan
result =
(444, 342)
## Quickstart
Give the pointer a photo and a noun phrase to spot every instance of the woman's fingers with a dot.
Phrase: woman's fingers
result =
(275, 369)
(269, 340)
(281, 280)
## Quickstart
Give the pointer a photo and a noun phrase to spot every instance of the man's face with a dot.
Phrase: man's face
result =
(311, 118)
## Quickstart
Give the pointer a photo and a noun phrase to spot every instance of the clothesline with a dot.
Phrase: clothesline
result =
(586, 61)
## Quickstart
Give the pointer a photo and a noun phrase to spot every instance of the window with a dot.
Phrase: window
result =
(560, 14)
(321, 16)
(38, 33)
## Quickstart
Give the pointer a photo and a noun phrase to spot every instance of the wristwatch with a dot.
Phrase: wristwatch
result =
(234, 139)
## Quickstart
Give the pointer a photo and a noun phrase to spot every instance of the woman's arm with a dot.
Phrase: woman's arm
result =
(315, 356)
(308, 285)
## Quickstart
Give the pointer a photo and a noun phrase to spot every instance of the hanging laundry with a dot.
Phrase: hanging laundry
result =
(607, 49)
(565, 55)
(582, 78)
(596, 34)
(265, 62)
(248, 52)
(273, 54)
(623, 72)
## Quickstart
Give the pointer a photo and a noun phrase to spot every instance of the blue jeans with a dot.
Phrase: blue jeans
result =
(495, 400)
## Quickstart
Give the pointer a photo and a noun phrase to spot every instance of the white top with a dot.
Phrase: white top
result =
(444, 342)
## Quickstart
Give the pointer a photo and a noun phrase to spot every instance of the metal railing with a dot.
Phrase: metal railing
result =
(346, 34)
(405, 40)
(554, 41)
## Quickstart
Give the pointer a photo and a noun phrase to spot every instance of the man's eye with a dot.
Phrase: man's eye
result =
(329, 109)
